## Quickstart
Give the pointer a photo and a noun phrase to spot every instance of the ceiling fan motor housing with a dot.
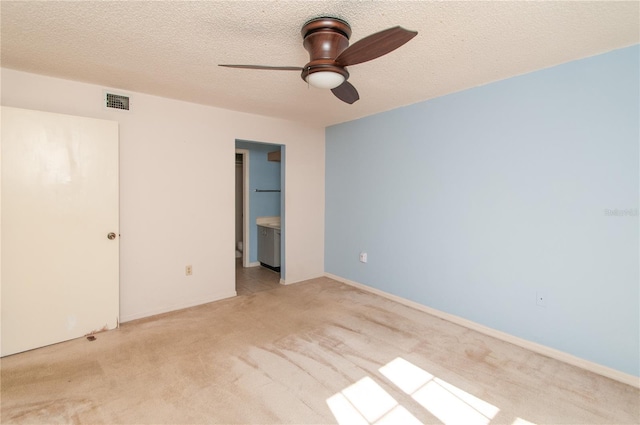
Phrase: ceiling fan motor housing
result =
(325, 38)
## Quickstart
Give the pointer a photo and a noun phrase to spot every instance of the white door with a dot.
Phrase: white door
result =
(59, 204)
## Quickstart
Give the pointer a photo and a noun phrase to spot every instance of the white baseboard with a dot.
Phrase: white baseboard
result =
(174, 307)
(608, 372)
(303, 279)
(254, 264)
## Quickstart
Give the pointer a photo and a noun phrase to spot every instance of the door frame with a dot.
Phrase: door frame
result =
(245, 207)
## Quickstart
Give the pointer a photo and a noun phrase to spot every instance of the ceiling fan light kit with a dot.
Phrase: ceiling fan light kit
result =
(327, 41)
(325, 79)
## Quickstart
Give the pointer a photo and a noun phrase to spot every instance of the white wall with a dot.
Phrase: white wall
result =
(177, 190)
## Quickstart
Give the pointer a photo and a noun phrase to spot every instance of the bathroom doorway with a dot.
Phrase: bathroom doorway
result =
(259, 180)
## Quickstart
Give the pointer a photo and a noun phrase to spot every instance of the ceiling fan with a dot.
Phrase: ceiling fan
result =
(327, 41)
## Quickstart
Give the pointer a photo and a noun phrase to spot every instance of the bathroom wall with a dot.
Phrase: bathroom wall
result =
(480, 202)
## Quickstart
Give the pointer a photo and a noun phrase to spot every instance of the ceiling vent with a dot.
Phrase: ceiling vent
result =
(116, 101)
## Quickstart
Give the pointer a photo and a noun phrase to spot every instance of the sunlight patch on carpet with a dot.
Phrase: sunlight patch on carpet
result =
(367, 403)
(520, 421)
(444, 401)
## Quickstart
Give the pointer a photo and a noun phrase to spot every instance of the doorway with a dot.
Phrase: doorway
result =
(259, 190)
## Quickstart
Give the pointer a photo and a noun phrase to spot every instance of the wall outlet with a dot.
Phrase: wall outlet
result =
(363, 257)
(541, 299)
(188, 270)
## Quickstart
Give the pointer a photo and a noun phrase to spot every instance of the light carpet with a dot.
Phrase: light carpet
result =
(311, 353)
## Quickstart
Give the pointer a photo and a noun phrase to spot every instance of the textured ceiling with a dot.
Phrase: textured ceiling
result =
(172, 48)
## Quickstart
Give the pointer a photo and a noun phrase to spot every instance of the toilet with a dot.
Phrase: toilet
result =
(239, 249)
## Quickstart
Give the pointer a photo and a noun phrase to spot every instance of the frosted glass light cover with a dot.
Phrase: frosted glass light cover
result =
(325, 79)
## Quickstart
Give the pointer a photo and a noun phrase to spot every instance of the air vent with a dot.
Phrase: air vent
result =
(117, 101)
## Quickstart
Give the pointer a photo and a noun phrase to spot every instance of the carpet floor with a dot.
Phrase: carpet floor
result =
(311, 353)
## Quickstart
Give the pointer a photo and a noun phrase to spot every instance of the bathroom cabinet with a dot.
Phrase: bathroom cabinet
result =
(269, 247)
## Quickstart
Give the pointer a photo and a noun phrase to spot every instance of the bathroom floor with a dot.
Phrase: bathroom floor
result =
(255, 279)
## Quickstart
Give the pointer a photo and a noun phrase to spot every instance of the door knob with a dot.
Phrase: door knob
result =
(111, 236)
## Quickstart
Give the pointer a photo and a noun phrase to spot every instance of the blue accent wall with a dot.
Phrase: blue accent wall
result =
(476, 202)
(263, 174)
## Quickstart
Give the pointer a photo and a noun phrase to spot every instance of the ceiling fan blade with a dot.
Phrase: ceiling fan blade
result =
(346, 93)
(270, 68)
(375, 45)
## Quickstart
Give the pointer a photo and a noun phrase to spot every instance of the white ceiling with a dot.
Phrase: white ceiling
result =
(172, 48)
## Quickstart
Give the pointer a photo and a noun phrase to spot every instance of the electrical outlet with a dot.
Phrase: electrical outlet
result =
(363, 257)
(188, 270)
(541, 299)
